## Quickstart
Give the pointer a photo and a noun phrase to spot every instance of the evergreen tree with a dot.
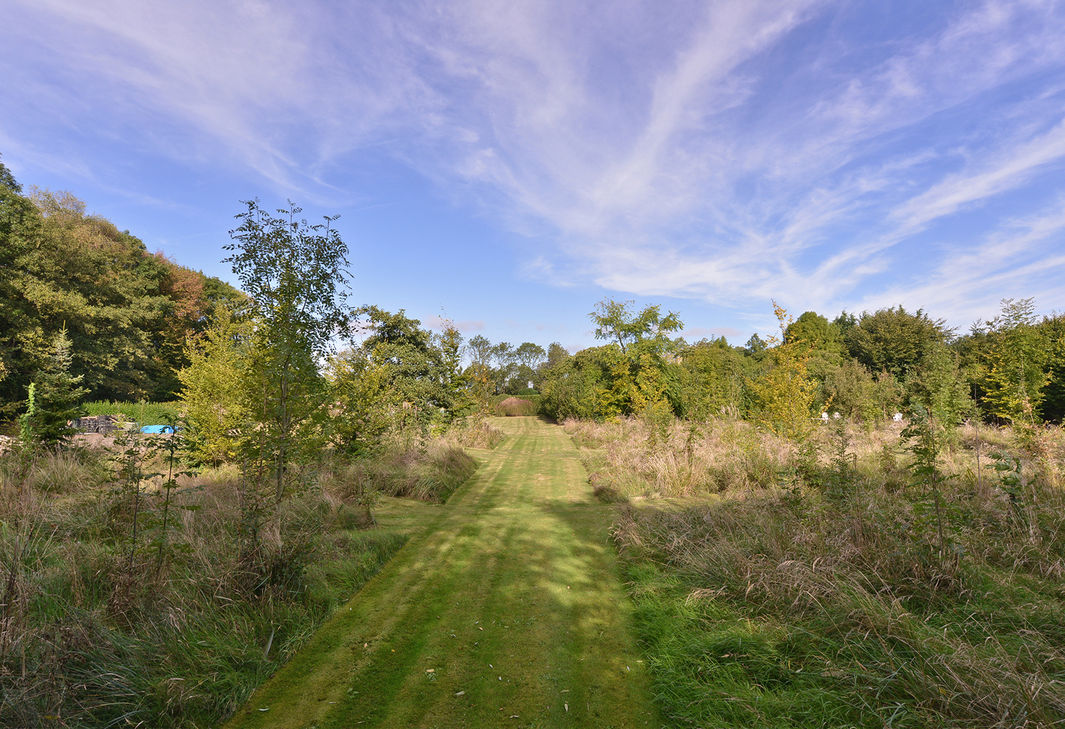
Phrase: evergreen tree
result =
(57, 397)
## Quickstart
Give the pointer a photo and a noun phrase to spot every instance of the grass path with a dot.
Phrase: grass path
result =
(504, 610)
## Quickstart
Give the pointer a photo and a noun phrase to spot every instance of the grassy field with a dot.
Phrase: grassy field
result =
(505, 610)
(774, 592)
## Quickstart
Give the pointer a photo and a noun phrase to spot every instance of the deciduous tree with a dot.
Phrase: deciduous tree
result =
(294, 272)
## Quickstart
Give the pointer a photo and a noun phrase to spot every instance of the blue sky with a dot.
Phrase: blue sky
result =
(508, 164)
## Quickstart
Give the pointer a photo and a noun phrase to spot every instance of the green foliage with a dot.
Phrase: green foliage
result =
(936, 385)
(616, 322)
(815, 331)
(127, 312)
(893, 340)
(635, 371)
(142, 413)
(1053, 329)
(293, 271)
(783, 394)
(7, 180)
(755, 345)
(366, 408)
(26, 421)
(578, 387)
(852, 391)
(556, 355)
(711, 379)
(214, 392)
(400, 380)
(1016, 364)
(926, 438)
(56, 399)
(454, 385)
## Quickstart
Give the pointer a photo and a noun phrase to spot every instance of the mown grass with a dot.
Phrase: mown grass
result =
(506, 611)
(98, 630)
(822, 598)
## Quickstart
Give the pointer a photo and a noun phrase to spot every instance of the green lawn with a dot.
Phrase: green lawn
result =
(505, 609)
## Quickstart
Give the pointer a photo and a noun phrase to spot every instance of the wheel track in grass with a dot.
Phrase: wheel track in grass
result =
(506, 609)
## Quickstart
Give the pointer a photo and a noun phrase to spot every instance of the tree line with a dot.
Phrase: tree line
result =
(1010, 369)
(126, 312)
(81, 297)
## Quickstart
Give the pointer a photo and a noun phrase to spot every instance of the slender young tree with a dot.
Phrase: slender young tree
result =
(294, 272)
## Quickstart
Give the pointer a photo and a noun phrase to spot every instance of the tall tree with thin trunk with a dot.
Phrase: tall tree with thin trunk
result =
(294, 272)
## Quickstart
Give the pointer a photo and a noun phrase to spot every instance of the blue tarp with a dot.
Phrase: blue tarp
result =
(157, 429)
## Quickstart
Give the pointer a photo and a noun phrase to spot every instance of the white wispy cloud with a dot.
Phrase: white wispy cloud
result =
(727, 151)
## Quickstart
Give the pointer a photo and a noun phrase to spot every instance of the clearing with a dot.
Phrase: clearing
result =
(504, 609)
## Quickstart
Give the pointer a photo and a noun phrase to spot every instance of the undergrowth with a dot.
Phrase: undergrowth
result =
(146, 607)
(427, 472)
(828, 597)
(476, 432)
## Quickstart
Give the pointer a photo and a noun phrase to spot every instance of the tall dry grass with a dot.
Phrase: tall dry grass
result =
(475, 432)
(827, 572)
(99, 630)
(639, 458)
(424, 471)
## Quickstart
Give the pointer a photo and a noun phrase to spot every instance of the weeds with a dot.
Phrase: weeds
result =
(476, 432)
(136, 594)
(862, 603)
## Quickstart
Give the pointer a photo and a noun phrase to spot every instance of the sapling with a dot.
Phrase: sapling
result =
(843, 462)
(171, 446)
(926, 443)
(131, 472)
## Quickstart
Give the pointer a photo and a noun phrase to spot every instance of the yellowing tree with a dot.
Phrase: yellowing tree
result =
(783, 395)
(213, 391)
